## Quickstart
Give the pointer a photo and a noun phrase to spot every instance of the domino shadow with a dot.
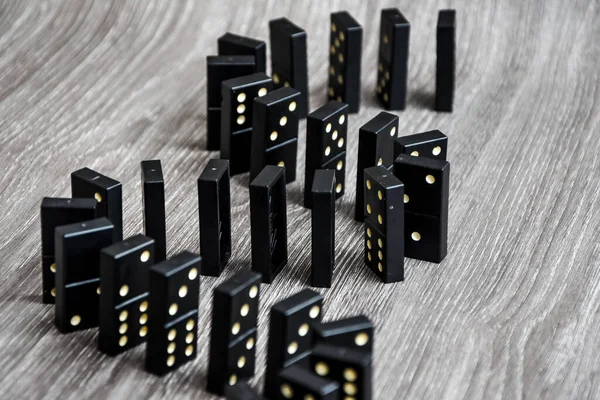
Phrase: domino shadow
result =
(423, 99)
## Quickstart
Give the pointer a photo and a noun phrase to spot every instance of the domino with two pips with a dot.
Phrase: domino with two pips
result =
(77, 260)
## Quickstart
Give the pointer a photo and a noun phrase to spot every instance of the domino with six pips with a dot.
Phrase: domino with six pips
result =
(231, 44)
(392, 71)
(375, 147)
(174, 289)
(384, 224)
(345, 60)
(124, 270)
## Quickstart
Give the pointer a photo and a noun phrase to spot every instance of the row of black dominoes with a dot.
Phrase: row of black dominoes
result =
(258, 128)
(379, 146)
(94, 196)
(99, 280)
(268, 219)
(242, 56)
(239, 57)
(116, 287)
(405, 212)
(392, 69)
(380, 203)
(259, 125)
(305, 357)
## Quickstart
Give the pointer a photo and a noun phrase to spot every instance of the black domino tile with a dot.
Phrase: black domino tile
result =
(219, 69)
(426, 237)
(299, 383)
(275, 132)
(427, 184)
(57, 212)
(153, 197)
(214, 208)
(174, 289)
(392, 70)
(268, 220)
(427, 187)
(233, 331)
(345, 60)
(124, 270)
(236, 118)
(446, 60)
(375, 147)
(231, 44)
(350, 368)
(107, 191)
(384, 224)
(323, 228)
(77, 254)
(289, 60)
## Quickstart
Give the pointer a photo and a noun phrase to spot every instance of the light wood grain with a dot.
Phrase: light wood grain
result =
(511, 313)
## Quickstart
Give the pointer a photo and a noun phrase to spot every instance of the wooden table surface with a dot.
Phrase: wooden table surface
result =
(512, 312)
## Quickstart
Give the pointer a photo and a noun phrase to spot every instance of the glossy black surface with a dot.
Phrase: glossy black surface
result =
(124, 270)
(323, 228)
(153, 197)
(268, 220)
(77, 255)
(173, 313)
(214, 209)
(290, 334)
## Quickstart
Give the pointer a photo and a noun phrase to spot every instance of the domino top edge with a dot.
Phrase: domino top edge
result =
(75, 229)
(152, 171)
(447, 19)
(101, 180)
(395, 16)
(127, 246)
(424, 162)
(297, 302)
(175, 264)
